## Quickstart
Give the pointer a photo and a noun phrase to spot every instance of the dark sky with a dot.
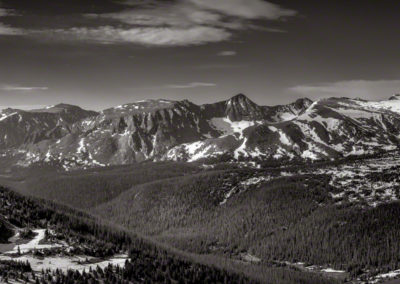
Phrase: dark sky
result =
(98, 53)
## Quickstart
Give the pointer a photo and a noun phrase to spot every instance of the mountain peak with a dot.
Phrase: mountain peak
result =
(303, 103)
(240, 107)
(305, 100)
(240, 97)
(241, 101)
(395, 97)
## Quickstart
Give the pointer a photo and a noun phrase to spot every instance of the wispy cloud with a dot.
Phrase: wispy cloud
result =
(160, 36)
(5, 29)
(366, 89)
(191, 85)
(189, 22)
(17, 88)
(166, 23)
(227, 53)
(249, 9)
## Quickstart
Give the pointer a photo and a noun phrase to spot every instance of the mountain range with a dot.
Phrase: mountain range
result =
(236, 129)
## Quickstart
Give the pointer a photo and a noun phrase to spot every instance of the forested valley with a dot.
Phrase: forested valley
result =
(281, 224)
(147, 262)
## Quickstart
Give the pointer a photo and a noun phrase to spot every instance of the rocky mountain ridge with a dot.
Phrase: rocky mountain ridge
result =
(234, 129)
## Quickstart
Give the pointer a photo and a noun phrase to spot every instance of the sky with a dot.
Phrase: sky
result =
(103, 53)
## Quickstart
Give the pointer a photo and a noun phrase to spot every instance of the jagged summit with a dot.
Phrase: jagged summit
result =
(240, 98)
(241, 107)
(238, 107)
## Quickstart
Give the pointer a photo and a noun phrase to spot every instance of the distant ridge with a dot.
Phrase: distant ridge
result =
(70, 137)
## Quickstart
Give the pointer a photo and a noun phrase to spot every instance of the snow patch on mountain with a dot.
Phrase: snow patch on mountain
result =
(390, 105)
(81, 147)
(241, 150)
(5, 116)
(282, 136)
(228, 127)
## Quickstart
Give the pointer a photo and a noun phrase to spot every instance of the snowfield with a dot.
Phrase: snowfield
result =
(35, 243)
(317, 268)
(62, 262)
(65, 263)
(228, 127)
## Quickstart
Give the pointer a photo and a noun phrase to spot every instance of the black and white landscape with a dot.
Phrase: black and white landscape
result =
(199, 141)
(235, 130)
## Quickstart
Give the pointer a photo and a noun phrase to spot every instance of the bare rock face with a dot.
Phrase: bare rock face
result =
(235, 129)
(242, 108)
(19, 128)
(237, 108)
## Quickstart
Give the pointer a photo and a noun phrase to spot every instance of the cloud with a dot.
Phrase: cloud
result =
(249, 9)
(7, 30)
(177, 23)
(16, 88)
(191, 85)
(160, 36)
(201, 12)
(366, 89)
(227, 53)
(162, 23)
